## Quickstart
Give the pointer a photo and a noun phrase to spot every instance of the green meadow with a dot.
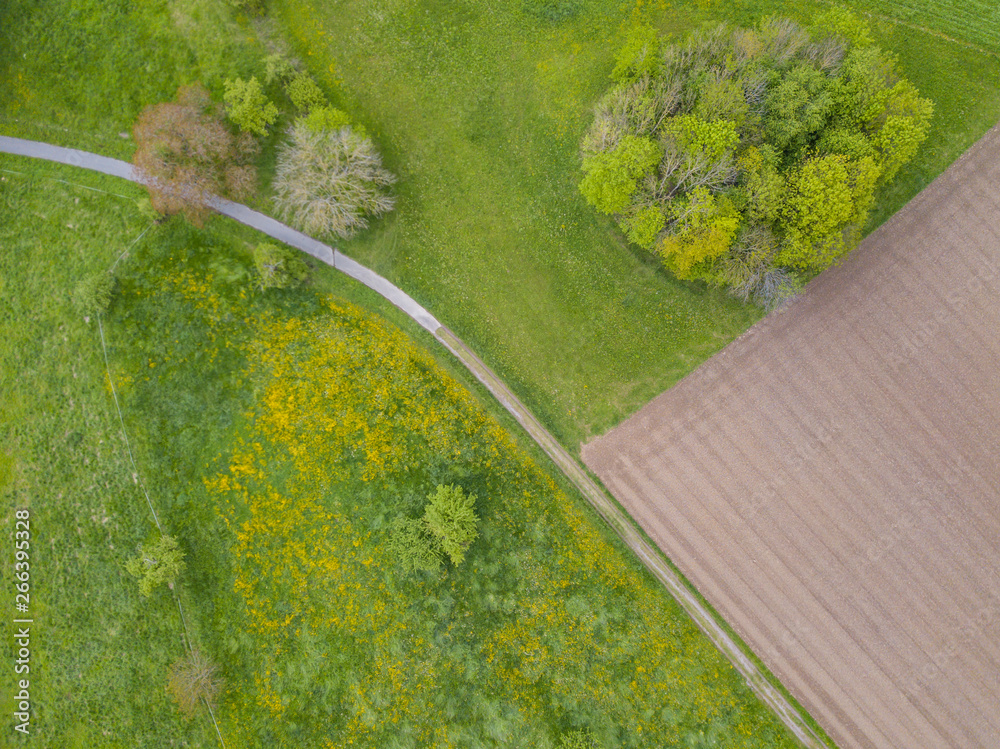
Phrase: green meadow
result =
(480, 108)
(280, 434)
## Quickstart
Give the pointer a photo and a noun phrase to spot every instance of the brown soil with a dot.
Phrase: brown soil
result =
(831, 481)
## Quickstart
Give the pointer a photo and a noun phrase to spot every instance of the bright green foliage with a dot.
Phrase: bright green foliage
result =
(159, 563)
(638, 56)
(411, 544)
(798, 108)
(723, 100)
(277, 69)
(92, 295)
(612, 176)
(247, 106)
(279, 267)
(642, 226)
(450, 519)
(699, 137)
(704, 227)
(840, 22)
(324, 118)
(765, 132)
(305, 94)
(576, 740)
(763, 184)
(826, 196)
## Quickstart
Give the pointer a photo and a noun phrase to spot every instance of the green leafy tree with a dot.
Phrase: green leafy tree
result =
(642, 226)
(327, 118)
(577, 740)
(828, 196)
(703, 147)
(304, 93)
(248, 107)
(412, 546)
(450, 520)
(637, 57)
(278, 267)
(278, 69)
(799, 107)
(612, 177)
(156, 564)
(704, 228)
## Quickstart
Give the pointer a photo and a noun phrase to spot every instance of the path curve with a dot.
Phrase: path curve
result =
(607, 508)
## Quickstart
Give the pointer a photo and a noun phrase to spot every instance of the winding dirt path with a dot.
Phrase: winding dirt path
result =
(610, 510)
(831, 480)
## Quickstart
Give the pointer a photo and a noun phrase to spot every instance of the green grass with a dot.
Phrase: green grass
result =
(975, 22)
(291, 434)
(480, 108)
(98, 653)
(79, 73)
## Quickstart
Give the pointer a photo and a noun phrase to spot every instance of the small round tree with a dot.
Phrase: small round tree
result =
(247, 106)
(278, 267)
(93, 294)
(450, 519)
(156, 564)
(330, 181)
(193, 678)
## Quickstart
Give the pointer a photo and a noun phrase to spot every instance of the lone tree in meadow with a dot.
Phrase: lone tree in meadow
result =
(278, 267)
(450, 519)
(330, 181)
(186, 155)
(193, 678)
(750, 158)
(447, 528)
(156, 564)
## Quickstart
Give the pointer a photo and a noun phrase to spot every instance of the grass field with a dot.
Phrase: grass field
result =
(480, 108)
(79, 73)
(549, 627)
(975, 22)
(293, 431)
(98, 653)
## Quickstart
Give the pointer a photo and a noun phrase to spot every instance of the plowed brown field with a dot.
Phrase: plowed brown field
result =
(830, 482)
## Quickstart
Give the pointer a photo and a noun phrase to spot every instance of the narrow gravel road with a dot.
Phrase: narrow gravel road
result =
(651, 557)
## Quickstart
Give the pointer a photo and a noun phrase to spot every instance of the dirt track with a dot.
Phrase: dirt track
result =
(831, 480)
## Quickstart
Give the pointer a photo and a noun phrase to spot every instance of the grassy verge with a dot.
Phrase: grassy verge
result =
(99, 653)
(480, 109)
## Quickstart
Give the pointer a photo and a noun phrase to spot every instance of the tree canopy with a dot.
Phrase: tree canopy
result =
(185, 155)
(750, 158)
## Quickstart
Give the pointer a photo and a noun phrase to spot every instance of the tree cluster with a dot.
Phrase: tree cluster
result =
(749, 158)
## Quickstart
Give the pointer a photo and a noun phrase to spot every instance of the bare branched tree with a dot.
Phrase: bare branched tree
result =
(330, 181)
(193, 678)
